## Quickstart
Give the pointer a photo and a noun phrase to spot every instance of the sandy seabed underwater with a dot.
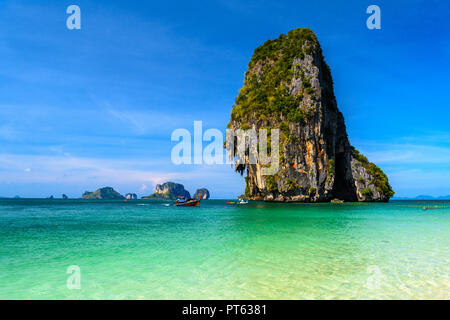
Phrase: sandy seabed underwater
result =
(153, 250)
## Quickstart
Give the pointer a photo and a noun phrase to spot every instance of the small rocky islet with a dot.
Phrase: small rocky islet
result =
(288, 86)
(202, 193)
(172, 190)
(131, 196)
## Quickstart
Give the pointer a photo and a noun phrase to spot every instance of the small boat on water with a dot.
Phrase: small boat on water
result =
(243, 201)
(183, 202)
(435, 207)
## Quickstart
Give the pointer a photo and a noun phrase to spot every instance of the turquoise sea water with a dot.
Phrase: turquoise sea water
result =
(148, 250)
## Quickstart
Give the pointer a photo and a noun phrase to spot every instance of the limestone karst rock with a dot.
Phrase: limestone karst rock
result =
(202, 193)
(169, 190)
(131, 196)
(288, 86)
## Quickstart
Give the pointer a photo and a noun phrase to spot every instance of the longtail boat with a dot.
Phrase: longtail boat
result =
(182, 202)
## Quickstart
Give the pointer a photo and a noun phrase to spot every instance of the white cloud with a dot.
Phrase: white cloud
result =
(413, 167)
(413, 182)
(150, 121)
(71, 169)
(79, 174)
(407, 154)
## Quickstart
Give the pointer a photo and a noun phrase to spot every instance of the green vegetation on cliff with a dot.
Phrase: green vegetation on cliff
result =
(271, 183)
(266, 92)
(379, 178)
(288, 86)
(366, 192)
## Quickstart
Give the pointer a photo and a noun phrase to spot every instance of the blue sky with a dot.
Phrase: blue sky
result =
(80, 109)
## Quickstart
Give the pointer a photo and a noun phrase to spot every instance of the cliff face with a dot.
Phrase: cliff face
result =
(169, 190)
(289, 87)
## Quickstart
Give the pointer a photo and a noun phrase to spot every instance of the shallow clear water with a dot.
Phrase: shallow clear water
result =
(147, 250)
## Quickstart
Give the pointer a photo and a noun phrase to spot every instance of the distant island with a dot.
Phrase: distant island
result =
(202, 193)
(106, 193)
(172, 190)
(423, 197)
(169, 190)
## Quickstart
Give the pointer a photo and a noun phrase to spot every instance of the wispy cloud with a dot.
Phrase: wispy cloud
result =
(140, 176)
(45, 169)
(409, 154)
(413, 182)
(142, 123)
(413, 166)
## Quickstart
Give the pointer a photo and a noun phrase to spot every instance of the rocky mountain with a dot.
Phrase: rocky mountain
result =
(169, 190)
(106, 193)
(131, 196)
(202, 194)
(288, 86)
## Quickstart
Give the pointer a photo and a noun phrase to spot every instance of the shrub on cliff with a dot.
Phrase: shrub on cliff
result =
(266, 91)
(379, 178)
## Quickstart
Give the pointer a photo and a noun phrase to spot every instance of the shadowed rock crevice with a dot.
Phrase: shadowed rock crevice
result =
(343, 187)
